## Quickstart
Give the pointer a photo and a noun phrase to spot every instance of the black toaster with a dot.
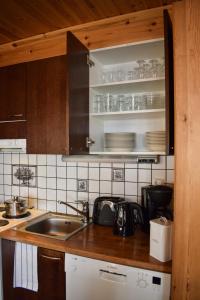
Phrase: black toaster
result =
(104, 210)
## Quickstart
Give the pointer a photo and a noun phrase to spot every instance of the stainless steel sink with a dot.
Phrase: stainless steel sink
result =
(57, 226)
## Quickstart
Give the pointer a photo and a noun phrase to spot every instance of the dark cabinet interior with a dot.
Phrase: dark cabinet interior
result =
(51, 275)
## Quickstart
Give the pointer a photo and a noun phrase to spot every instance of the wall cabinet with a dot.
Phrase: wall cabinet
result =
(131, 93)
(127, 95)
(53, 94)
(13, 101)
(51, 275)
(58, 104)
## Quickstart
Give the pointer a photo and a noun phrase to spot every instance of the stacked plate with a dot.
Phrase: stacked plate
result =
(119, 142)
(155, 140)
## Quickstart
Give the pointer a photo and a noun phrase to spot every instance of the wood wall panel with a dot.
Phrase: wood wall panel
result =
(128, 28)
(186, 254)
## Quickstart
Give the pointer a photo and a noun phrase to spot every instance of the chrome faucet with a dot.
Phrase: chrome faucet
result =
(84, 212)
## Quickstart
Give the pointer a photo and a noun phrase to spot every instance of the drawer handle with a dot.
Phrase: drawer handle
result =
(50, 257)
(16, 116)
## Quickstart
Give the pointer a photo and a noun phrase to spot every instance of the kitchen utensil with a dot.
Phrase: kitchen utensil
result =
(127, 216)
(156, 200)
(15, 207)
(104, 210)
(120, 141)
(161, 239)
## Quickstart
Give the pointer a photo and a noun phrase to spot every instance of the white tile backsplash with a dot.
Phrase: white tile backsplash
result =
(82, 173)
(71, 184)
(42, 182)
(131, 188)
(131, 175)
(71, 172)
(93, 186)
(61, 183)
(61, 195)
(105, 187)
(158, 175)
(58, 180)
(51, 160)
(51, 183)
(42, 193)
(51, 194)
(94, 173)
(7, 169)
(42, 160)
(144, 175)
(42, 171)
(105, 173)
(118, 188)
(61, 172)
(51, 171)
(32, 159)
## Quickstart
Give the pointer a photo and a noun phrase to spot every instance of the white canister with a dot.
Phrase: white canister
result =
(161, 239)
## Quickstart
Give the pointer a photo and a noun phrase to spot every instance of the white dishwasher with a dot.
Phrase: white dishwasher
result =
(91, 279)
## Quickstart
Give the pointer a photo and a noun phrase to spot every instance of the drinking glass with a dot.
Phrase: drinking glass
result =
(126, 105)
(103, 103)
(121, 75)
(139, 102)
(114, 103)
(154, 68)
(141, 68)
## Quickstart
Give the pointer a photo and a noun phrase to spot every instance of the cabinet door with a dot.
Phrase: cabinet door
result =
(47, 108)
(169, 83)
(51, 275)
(10, 293)
(78, 95)
(13, 130)
(13, 93)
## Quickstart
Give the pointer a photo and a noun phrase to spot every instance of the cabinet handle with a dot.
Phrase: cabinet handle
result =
(89, 142)
(50, 257)
(16, 116)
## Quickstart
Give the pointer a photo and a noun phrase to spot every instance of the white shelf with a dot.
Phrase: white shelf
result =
(128, 153)
(133, 112)
(117, 83)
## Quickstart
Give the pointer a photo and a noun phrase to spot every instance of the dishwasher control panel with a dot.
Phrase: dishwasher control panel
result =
(88, 279)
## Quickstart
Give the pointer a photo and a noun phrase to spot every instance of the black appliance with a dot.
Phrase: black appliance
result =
(156, 202)
(127, 216)
(104, 210)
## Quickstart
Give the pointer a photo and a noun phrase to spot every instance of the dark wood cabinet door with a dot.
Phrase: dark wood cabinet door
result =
(47, 111)
(13, 92)
(13, 130)
(169, 83)
(77, 94)
(51, 275)
(10, 293)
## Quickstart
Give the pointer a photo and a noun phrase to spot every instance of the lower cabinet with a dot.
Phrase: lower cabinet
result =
(51, 275)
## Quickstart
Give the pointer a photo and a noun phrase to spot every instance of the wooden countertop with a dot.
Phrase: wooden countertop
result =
(98, 242)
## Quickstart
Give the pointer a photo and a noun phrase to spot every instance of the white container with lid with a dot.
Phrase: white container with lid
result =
(161, 239)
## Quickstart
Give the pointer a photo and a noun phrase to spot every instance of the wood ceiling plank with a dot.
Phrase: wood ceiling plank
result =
(29, 18)
(128, 28)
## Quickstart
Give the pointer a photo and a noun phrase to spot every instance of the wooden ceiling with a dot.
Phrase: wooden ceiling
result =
(24, 18)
